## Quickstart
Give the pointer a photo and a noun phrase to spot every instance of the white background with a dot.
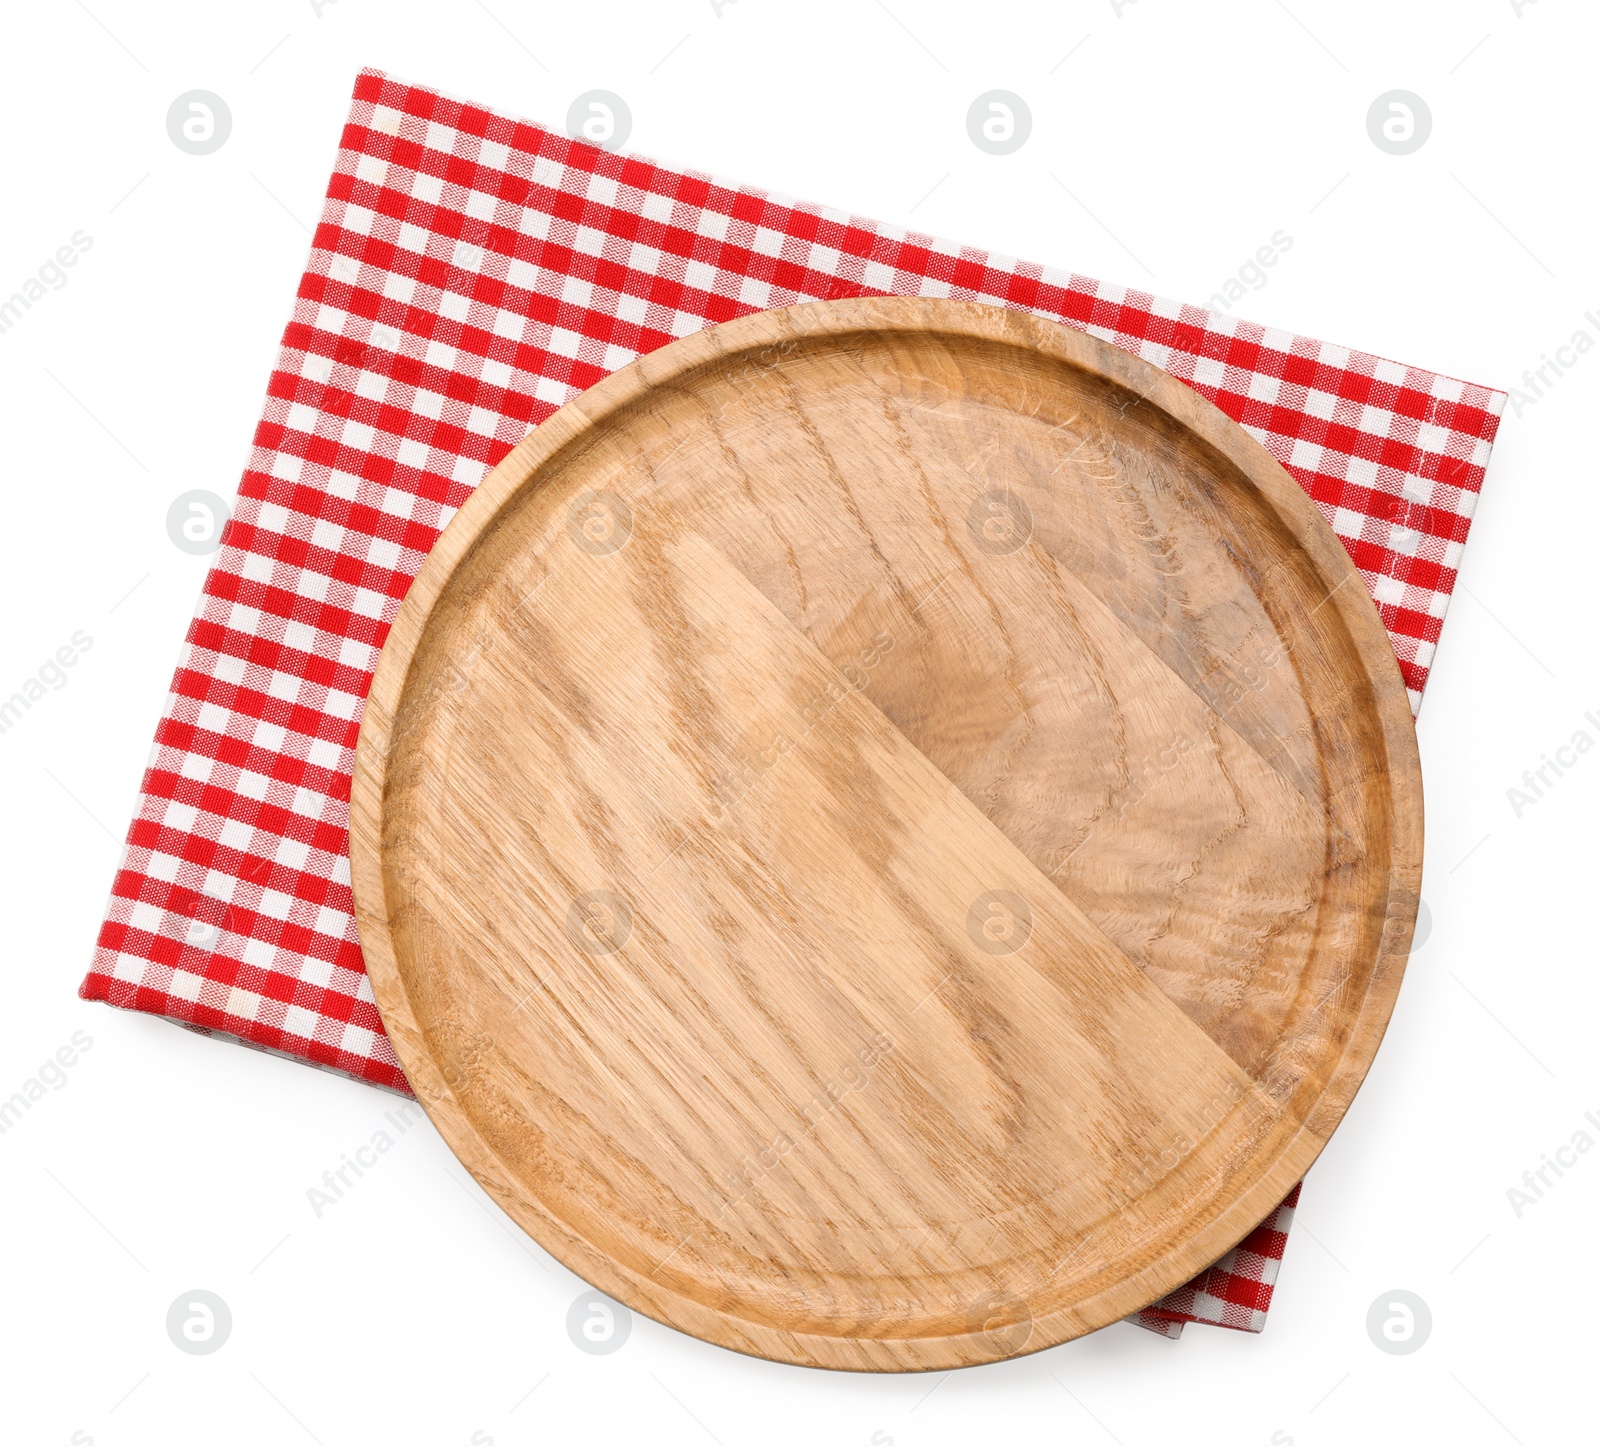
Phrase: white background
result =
(411, 1311)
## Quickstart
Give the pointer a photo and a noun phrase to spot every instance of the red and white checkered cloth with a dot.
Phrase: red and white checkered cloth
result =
(1234, 1292)
(471, 273)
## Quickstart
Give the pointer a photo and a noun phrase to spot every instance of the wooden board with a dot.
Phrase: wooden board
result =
(886, 834)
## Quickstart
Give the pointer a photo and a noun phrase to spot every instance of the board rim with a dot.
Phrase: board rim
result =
(566, 429)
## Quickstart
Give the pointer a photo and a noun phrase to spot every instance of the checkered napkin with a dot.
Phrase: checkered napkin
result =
(471, 273)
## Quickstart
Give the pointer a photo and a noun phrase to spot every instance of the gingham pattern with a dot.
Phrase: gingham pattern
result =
(1234, 1292)
(471, 273)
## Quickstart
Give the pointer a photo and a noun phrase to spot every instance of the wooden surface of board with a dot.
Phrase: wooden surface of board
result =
(886, 834)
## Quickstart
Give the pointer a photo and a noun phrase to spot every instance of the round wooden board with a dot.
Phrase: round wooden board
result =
(886, 834)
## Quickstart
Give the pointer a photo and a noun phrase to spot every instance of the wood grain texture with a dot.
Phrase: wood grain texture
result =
(886, 834)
